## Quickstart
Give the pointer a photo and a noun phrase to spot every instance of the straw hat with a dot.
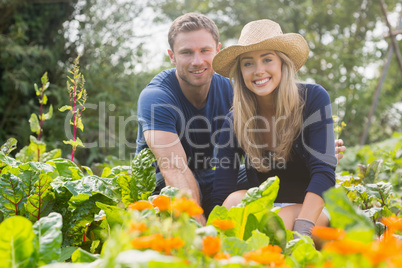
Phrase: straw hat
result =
(262, 35)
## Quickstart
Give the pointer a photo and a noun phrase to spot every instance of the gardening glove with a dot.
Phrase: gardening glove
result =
(303, 227)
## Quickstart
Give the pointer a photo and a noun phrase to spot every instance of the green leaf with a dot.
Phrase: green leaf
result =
(80, 125)
(343, 214)
(49, 114)
(12, 195)
(16, 243)
(34, 124)
(115, 216)
(252, 224)
(66, 253)
(373, 169)
(40, 202)
(261, 199)
(44, 99)
(37, 90)
(257, 240)
(106, 172)
(48, 238)
(169, 191)
(129, 192)
(305, 253)
(88, 170)
(44, 80)
(79, 95)
(9, 146)
(81, 255)
(66, 168)
(234, 246)
(9, 161)
(75, 143)
(90, 185)
(65, 108)
(53, 154)
(272, 225)
(143, 174)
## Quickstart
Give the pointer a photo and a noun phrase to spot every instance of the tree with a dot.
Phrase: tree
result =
(31, 43)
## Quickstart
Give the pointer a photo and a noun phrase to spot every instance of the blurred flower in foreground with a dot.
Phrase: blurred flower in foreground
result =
(346, 247)
(223, 224)
(162, 202)
(186, 205)
(393, 223)
(138, 226)
(140, 205)
(269, 255)
(157, 242)
(211, 245)
(328, 233)
(222, 256)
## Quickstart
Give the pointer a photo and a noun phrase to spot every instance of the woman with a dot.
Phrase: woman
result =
(283, 128)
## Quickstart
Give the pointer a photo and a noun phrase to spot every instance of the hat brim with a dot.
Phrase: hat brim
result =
(292, 44)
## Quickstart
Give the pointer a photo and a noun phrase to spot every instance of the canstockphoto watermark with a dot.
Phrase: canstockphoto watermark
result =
(109, 136)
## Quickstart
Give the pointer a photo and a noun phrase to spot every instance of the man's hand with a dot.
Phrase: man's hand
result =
(172, 161)
(339, 149)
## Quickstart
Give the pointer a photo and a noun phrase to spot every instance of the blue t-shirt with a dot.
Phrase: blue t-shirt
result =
(163, 106)
(312, 163)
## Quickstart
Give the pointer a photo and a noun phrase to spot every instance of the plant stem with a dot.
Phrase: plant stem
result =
(41, 119)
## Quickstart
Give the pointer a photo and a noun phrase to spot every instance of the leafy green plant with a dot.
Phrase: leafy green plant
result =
(78, 97)
(36, 150)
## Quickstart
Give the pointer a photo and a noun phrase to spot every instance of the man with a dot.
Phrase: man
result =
(181, 111)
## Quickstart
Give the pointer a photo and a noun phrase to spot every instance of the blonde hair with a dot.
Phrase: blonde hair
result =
(288, 113)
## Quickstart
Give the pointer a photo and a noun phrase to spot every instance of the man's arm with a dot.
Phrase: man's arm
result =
(172, 161)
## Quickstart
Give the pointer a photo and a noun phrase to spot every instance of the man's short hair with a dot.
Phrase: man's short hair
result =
(192, 22)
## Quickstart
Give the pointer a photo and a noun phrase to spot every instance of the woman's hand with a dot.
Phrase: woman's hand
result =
(339, 149)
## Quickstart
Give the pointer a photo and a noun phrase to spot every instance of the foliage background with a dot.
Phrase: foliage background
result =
(119, 41)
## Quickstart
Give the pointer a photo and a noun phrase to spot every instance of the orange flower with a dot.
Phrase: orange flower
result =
(269, 254)
(140, 205)
(186, 205)
(144, 242)
(173, 243)
(327, 233)
(162, 202)
(223, 224)
(346, 246)
(211, 245)
(157, 242)
(222, 256)
(393, 222)
(138, 226)
(384, 249)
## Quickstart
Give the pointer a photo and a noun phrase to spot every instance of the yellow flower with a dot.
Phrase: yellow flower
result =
(140, 205)
(186, 205)
(328, 233)
(223, 224)
(162, 202)
(211, 245)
